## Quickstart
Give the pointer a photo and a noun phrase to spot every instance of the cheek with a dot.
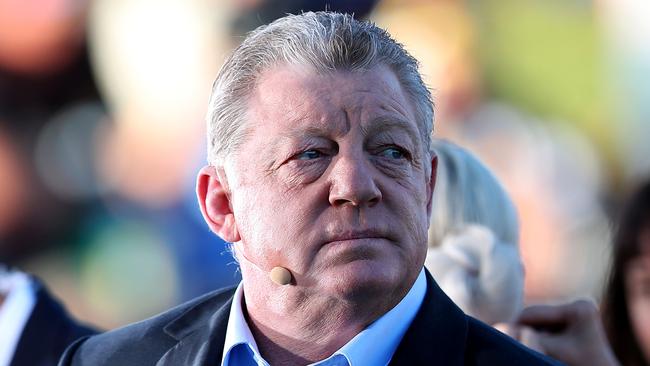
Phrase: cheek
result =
(639, 308)
(253, 216)
(270, 222)
(413, 200)
(412, 214)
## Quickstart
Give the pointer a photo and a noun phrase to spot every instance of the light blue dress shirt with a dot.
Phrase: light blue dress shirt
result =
(375, 345)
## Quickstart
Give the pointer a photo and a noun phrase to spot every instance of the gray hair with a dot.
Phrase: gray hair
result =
(325, 41)
(468, 193)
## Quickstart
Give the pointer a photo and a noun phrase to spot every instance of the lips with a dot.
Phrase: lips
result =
(356, 235)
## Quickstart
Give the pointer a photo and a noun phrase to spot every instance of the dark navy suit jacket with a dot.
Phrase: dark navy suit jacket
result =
(47, 333)
(194, 333)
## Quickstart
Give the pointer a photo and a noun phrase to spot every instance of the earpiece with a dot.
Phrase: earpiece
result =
(279, 275)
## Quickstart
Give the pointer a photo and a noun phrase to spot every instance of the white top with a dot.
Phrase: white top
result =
(14, 311)
(375, 345)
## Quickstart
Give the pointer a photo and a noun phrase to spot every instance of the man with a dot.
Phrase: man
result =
(35, 328)
(321, 176)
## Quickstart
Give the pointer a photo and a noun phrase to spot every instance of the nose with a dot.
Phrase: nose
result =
(352, 181)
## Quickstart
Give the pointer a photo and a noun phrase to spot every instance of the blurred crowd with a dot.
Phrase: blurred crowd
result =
(102, 129)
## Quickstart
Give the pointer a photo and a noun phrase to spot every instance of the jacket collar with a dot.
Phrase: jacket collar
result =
(437, 334)
(200, 332)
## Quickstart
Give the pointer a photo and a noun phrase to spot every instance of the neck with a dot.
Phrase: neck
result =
(291, 347)
(293, 327)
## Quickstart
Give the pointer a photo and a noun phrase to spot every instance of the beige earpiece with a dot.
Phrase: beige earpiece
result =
(280, 275)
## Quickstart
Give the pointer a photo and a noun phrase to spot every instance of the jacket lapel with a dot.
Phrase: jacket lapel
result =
(438, 333)
(200, 332)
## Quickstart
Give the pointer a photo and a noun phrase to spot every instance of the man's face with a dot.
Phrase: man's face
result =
(331, 182)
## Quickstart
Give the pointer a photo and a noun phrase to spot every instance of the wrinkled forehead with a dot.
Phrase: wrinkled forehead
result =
(299, 92)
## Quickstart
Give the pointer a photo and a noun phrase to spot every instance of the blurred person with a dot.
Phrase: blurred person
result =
(39, 38)
(473, 238)
(555, 180)
(320, 173)
(44, 73)
(35, 328)
(574, 333)
(626, 301)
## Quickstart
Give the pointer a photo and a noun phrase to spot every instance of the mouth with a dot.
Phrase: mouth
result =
(355, 236)
(344, 247)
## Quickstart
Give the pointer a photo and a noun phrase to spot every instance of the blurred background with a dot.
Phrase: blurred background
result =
(102, 106)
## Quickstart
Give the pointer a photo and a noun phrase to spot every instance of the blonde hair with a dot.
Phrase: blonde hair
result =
(473, 236)
(466, 193)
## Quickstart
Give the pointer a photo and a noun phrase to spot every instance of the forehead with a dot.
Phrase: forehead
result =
(292, 96)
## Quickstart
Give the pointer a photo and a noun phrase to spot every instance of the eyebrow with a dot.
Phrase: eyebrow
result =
(300, 133)
(384, 123)
(286, 137)
(378, 124)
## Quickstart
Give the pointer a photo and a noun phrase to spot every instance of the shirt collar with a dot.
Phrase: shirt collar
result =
(238, 332)
(14, 312)
(382, 336)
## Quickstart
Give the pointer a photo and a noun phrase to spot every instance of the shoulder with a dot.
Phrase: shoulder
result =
(146, 341)
(487, 346)
(49, 313)
(443, 334)
(48, 320)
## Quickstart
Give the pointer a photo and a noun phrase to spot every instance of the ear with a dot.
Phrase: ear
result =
(432, 182)
(214, 200)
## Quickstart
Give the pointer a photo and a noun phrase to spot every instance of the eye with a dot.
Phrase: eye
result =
(308, 155)
(393, 153)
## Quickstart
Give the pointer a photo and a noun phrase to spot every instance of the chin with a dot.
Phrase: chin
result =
(364, 279)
